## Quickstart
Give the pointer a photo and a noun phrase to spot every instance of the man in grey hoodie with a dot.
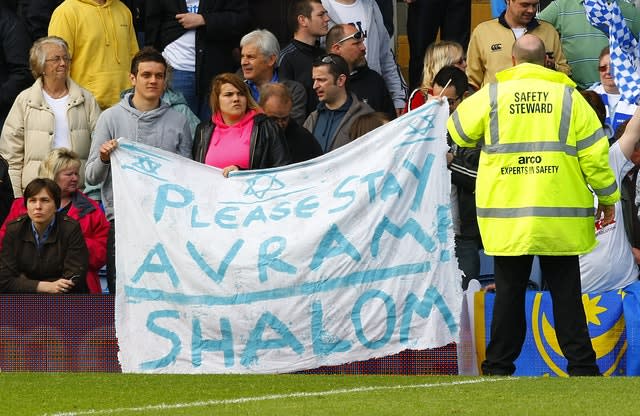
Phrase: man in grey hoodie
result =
(140, 116)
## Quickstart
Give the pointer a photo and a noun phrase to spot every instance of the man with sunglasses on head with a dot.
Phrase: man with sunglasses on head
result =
(338, 108)
(366, 16)
(348, 42)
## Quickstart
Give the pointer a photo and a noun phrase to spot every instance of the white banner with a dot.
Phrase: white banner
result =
(340, 259)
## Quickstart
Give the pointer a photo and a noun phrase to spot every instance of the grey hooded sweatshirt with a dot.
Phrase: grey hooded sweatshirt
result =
(162, 127)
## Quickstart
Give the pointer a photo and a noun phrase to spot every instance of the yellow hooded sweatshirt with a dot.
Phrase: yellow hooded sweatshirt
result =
(101, 42)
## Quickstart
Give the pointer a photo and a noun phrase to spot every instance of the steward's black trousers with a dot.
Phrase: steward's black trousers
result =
(508, 325)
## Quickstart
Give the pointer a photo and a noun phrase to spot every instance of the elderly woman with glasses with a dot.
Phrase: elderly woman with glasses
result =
(238, 135)
(54, 112)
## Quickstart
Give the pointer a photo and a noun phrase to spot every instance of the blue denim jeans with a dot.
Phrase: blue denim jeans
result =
(185, 83)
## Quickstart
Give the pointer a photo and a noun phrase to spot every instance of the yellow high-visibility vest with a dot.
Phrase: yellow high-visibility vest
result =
(543, 148)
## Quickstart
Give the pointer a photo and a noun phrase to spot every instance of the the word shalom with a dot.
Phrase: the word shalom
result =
(271, 332)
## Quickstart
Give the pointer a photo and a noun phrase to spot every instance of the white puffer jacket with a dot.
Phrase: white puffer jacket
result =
(27, 134)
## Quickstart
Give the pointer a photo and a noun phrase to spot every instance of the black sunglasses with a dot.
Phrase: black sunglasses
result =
(327, 59)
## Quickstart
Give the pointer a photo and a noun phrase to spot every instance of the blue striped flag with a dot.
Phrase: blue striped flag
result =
(622, 44)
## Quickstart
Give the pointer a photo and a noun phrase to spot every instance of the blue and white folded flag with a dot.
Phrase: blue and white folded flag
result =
(622, 44)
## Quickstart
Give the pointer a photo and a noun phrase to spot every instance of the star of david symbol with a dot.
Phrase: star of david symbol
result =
(260, 185)
(146, 164)
(423, 131)
(418, 135)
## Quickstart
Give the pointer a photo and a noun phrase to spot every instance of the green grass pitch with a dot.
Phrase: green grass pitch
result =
(129, 394)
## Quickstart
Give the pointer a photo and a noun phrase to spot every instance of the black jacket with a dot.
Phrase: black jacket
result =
(271, 15)
(369, 86)
(64, 254)
(296, 63)
(137, 8)
(302, 144)
(14, 60)
(226, 22)
(268, 145)
(464, 170)
(36, 15)
(6, 190)
(629, 208)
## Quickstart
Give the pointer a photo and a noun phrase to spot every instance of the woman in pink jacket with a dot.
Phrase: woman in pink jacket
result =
(62, 165)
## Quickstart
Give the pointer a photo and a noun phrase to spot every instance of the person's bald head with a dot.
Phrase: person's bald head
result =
(528, 49)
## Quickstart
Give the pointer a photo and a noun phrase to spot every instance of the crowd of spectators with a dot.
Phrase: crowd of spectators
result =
(247, 84)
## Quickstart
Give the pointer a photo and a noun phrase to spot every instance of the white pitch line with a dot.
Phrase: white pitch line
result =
(242, 400)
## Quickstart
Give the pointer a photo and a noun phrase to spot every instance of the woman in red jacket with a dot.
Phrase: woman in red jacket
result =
(63, 165)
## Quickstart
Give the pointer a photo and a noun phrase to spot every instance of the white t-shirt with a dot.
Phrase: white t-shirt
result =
(366, 16)
(353, 14)
(518, 32)
(181, 53)
(61, 124)
(611, 264)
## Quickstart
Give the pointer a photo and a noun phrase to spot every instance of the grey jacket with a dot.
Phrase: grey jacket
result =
(162, 127)
(299, 99)
(341, 136)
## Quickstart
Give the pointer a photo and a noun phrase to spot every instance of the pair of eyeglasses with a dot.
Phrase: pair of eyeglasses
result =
(355, 36)
(65, 58)
(604, 68)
